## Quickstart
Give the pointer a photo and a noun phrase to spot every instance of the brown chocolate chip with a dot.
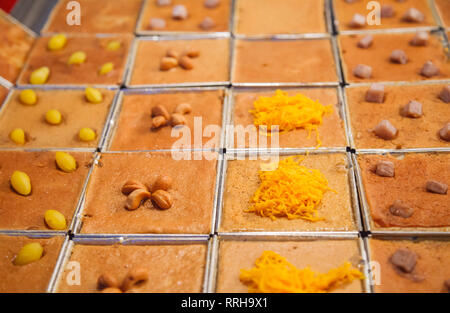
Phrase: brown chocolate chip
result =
(413, 15)
(444, 132)
(398, 208)
(375, 93)
(398, 56)
(436, 187)
(365, 42)
(179, 12)
(387, 10)
(420, 39)
(385, 169)
(207, 23)
(429, 70)
(157, 23)
(444, 95)
(404, 260)
(413, 109)
(357, 21)
(362, 71)
(385, 130)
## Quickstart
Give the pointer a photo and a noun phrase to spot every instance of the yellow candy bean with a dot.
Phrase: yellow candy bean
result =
(65, 162)
(106, 68)
(113, 45)
(78, 57)
(87, 134)
(28, 97)
(39, 76)
(93, 95)
(53, 117)
(29, 253)
(21, 183)
(55, 220)
(18, 136)
(56, 42)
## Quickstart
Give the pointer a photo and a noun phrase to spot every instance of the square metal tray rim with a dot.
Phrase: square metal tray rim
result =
(365, 209)
(354, 209)
(114, 118)
(213, 275)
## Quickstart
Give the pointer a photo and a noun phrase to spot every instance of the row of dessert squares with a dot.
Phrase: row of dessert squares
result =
(89, 59)
(379, 117)
(252, 17)
(136, 193)
(322, 265)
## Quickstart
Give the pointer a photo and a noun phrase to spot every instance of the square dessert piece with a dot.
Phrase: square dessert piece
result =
(99, 16)
(270, 17)
(170, 268)
(191, 205)
(377, 57)
(32, 277)
(15, 43)
(76, 113)
(403, 200)
(200, 18)
(284, 61)
(51, 188)
(138, 130)
(334, 209)
(443, 8)
(331, 132)
(209, 62)
(412, 132)
(411, 266)
(97, 55)
(393, 14)
(319, 255)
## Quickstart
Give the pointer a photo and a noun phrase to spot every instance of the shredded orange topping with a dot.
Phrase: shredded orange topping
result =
(274, 274)
(289, 113)
(292, 190)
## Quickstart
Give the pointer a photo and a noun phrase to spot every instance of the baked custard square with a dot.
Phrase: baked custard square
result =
(87, 73)
(192, 206)
(172, 268)
(331, 132)
(99, 16)
(319, 255)
(76, 113)
(211, 66)
(134, 130)
(284, 61)
(33, 277)
(242, 180)
(271, 17)
(51, 188)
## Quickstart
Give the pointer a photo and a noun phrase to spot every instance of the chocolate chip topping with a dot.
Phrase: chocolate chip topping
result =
(413, 109)
(444, 132)
(385, 169)
(362, 71)
(398, 56)
(385, 130)
(420, 39)
(444, 95)
(401, 209)
(375, 93)
(404, 260)
(436, 187)
(429, 70)
(365, 42)
(207, 23)
(179, 12)
(357, 21)
(413, 15)
(387, 10)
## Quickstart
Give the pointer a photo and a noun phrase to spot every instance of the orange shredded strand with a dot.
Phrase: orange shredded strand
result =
(274, 274)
